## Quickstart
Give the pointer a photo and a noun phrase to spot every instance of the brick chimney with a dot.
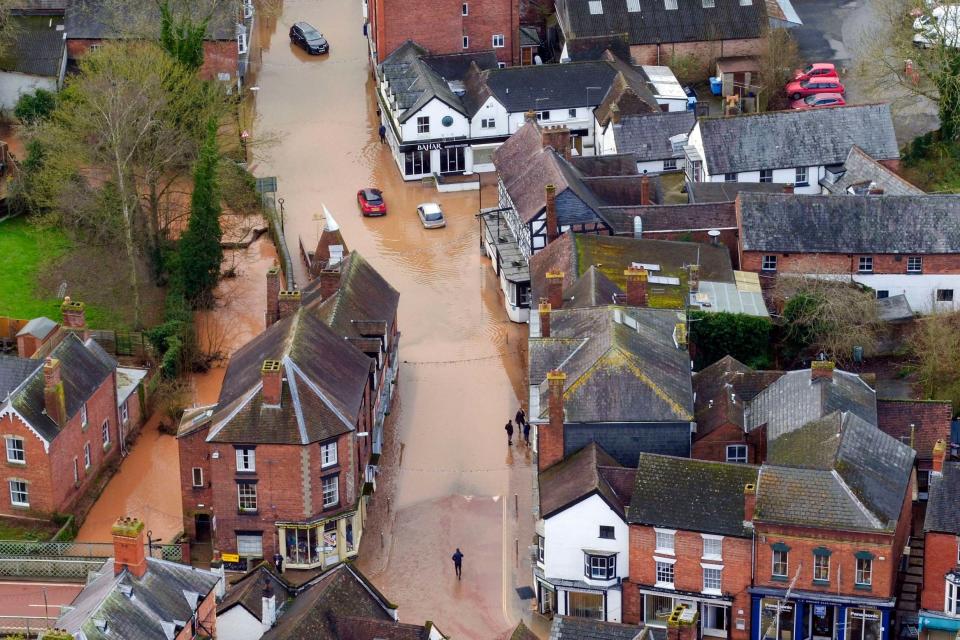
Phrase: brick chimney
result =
(683, 623)
(74, 314)
(530, 116)
(544, 310)
(615, 114)
(553, 227)
(645, 190)
(788, 188)
(273, 294)
(289, 303)
(939, 455)
(558, 138)
(128, 547)
(694, 279)
(329, 282)
(272, 375)
(555, 289)
(749, 502)
(636, 287)
(821, 370)
(550, 436)
(54, 401)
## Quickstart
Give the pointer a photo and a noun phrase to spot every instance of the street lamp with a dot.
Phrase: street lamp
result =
(280, 202)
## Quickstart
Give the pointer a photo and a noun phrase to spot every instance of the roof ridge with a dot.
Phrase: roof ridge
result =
(873, 519)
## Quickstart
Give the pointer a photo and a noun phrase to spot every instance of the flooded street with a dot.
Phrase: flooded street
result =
(454, 478)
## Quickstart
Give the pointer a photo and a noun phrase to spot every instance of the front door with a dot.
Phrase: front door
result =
(821, 625)
(451, 160)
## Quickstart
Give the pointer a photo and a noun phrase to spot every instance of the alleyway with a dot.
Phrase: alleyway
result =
(461, 371)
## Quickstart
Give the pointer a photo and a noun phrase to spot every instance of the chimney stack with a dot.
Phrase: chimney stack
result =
(636, 287)
(530, 116)
(544, 318)
(693, 281)
(788, 188)
(821, 370)
(268, 605)
(271, 373)
(74, 314)
(615, 114)
(939, 455)
(273, 294)
(557, 137)
(128, 547)
(553, 227)
(289, 302)
(645, 190)
(54, 400)
(749, 502)
(550, 436)
(329, 282)
(555, 289)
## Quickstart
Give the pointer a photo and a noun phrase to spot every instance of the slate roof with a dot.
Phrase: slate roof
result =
(596, 47)
(14, 370)
(324, 611)
(108, 20)
(529, 37)
(158, 598)
(355, 628)
(839, 471)
(571, 628)
(706, 192)
(36, 48)
(592, 289)
(692, 495)
(324, 380)
(82, 372)
(550, 86)
(943, 505)
(673, 217)
(794, 400)
(722, 391)
(929, 419)
(414, 83)
(654, 23)
(648, 136)
(38, 328)
(626, 367)
(579, 476)
(926, 224)
(454, 66)
(796, 138)
(861, 173)
(247, 592)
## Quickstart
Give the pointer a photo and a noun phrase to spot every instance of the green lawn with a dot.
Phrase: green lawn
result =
(24, 530)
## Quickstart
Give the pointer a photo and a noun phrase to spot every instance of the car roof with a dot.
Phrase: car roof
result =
(822, 65)
(430, 207)
(370, 191)
(835, 96)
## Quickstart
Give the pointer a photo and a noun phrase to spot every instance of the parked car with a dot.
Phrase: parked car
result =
(797, 90)
(309, 39)
(819, 100)
(942, 25)
(371, 202)
(816, 70)
(431, 215)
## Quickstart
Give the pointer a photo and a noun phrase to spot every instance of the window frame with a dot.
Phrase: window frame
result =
(718, 570)
(246, 459)
(712, 538)
(607, 529)
(543, 116)
(865, 264)
(488, 123)
(25, 491)
(605, 566)
(737, 458)
(821, 573)
(87, 456)
(730, 177)
(664, 567)
(464, 9)
(785, 562)
(105, 433)
(863, 576)
(251, 494)
(193, 477)
(801, 177)
(766, 176)
(493, 41)
(465, 42)
(8, 440)
(951, 599)
(324, 448)
(83, 416)
(767, 261)
(670, 165)
(572, 113)
(944, 295)
(336, 491)
(919, 264)
(125, 411)
(668, 534)
(423, 125)
(541, 543)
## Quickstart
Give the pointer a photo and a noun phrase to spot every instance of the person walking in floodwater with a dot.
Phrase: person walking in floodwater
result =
(509, 429)
(383, 134)
(526, 433)
(457, 561)
(521, 418)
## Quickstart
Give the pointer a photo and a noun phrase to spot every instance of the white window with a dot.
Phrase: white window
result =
(501, 65)
(423, 123)
(665, 540)
(488, 123)
(714, 621)
(769, 263)
(670, 165)
(633, 6)
(729, 177)
(915, 264)
(571, 113)
(543, 115)
(664, 573)
(766, 175)
(952, 602)
(670, 5)
(83, 415)
(709, 4)
(105, 432)
(864, 571)
(821, 567)
(246, 459)
(76, 470)
(737, 453)
(466, 42)
(712, 547)
(464, 9)
(247, 496)
(712, 579)
(596, 7)
(86, 456)
(865, 265)
(197, 477)
(328, 454)
(781, 561)
(15, 451)
(540, 544)
(19, 494)
(125, 412)
(331, 492)
(800, 180)
(498, 41)
(250, 545)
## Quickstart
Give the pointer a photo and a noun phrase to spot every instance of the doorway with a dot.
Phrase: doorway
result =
(201, 525)
(452, 160)
(822, 620)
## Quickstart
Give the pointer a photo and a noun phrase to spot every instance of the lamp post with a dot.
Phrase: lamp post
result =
(280, 202)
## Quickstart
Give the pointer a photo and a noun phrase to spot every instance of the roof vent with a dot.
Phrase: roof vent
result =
(126, 590)
(670, 5)
(596, 7)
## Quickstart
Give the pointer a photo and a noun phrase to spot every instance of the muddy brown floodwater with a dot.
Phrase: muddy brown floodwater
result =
(461, 370)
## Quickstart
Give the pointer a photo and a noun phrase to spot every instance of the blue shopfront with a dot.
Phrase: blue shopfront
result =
(807, 615)
(938, 625)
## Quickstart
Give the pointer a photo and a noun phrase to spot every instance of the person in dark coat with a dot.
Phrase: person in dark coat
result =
(383, 134)
(526, 433)
(457, 561)
(521, 417)
(509, 429)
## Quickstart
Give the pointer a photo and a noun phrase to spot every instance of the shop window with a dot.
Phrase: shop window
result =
(656, 610)
(250, 545)
(585, 605)
(776, 619)
(864, 624)
(714, 621)
(416, 163)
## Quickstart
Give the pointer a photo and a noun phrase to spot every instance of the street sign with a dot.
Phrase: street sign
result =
(230, 557)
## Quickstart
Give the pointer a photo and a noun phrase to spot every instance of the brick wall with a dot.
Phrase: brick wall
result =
(194, 452)
(440, 26)
(706, 51)
(847, 263)
(218, 56)
(549, 445)
(713, 446)
(939, 558)
(206, 617)
(36, 471)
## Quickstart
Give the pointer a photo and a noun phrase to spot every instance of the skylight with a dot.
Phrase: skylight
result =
(596, 7)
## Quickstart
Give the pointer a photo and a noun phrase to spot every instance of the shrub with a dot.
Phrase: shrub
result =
(715, 335)
(36, 106)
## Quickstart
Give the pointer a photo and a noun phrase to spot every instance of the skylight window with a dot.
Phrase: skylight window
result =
(633, 6)
(670, 5)
(596, 7)
(709, 4)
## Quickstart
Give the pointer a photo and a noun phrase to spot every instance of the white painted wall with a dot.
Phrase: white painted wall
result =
(920, 289)
(673, 104)
(435, 110)
(606, 143)
(491, 109)
(780, 176)
(13, 85)
(656, 166)
(561, 117)
(239, 624)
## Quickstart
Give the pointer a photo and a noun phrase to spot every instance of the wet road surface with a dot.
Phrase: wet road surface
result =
(461, 369)
(27, 604)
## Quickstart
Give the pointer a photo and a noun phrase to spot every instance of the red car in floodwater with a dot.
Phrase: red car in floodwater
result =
(371, 202)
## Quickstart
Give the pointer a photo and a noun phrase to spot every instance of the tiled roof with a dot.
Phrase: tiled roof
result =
(673, 217)
(797, 138)
(14, 370)
(359, 628)
(850, 224)
(36, 48)
(248, 591)
(862, 173)
(38, 328)
(165, 593)
(108, 20)
(692, 495)
(523, 632)
(454, 66)
(918, 423)
(943, 506)
(654, 23)
(550, 86)
(592, 289)
(414, 83)
(571, 628)
(648, 136)
(705, 192)
(722, 391)
(577, 476)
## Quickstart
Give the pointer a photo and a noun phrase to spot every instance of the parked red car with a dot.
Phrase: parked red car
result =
(816, 70)
(797, 90)
(819, 100)
(371, 202)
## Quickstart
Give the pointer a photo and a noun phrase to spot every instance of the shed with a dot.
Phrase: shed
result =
(737, 73)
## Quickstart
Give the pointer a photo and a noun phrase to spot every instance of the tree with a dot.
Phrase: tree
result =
(200, 250)
(181, 37)
(935, 348)
(715, 335)
(34, 107)
(777, 63)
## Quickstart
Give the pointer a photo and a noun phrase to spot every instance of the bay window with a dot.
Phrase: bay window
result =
(599, 566)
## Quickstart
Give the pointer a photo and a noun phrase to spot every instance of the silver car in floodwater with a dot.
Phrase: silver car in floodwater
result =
(431, 215)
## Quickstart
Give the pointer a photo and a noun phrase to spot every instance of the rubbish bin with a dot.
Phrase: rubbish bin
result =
(716, 85)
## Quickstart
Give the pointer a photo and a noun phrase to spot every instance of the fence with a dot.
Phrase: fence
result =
(54, 568)
(65, 560)
(124, 343)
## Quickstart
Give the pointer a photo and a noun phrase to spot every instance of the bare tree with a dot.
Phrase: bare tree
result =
(777, 63)
(935, 347)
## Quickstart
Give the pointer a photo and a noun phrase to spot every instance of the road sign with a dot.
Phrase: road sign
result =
(230, 557)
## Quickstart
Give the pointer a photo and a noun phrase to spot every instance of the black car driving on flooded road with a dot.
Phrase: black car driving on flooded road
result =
(308, 38)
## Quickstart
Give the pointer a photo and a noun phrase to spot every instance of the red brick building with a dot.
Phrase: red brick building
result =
(445, 26)
(920, 424)
(940, 598)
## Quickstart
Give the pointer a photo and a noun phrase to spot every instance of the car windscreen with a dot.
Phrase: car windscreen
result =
(808, 68)
(372, 198)
(433, 217)
(810, 99)
(312, 35)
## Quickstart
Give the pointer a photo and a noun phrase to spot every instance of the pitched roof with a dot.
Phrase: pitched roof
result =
(14, 370)
(414, 83)
(36, 49)
(454, 66)
(692, 495)
(357, 628)
(918, 423)
(654, 23)
(722, 391)
(247, 592)
(578, 476)
(592, 289)
(673, 217)
(704, 192)
(38, 328)
(648, 136)
(550, 86)
(796, 138)
(626, 367)
(166, 593)
(107, 20)
(860, 173)
(943, 505)
(571, 628)
(850, 224)
(837, 471)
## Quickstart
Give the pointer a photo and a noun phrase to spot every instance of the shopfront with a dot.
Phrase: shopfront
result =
(320, 543)
(715, 611)
(452, 157)
(814, 616)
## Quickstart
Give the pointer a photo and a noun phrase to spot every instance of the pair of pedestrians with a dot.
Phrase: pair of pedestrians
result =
(522, 424)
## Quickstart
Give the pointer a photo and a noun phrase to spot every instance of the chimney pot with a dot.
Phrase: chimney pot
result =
(289, 302)
(555, 289)
(821, 370)
(74, 315)
(788, 188)
(939, 455)
(271, 374)
(128, 547)
(636, 287)
(544, 310)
